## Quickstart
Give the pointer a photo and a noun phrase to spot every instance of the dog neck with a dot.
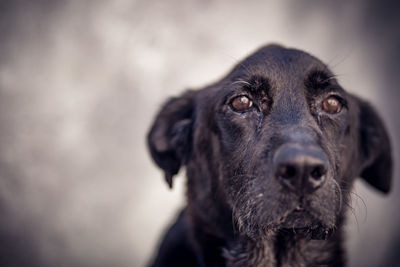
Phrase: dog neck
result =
(277, 248)
(284, 250)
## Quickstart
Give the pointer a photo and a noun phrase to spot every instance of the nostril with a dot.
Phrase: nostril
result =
(302, 169)
(287, 172)
(318, 172)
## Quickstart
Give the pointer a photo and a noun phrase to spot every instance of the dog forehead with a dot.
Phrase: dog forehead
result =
(277, 58)
(281, 66)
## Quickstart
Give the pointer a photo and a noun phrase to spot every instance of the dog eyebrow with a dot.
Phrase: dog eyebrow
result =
(255, 84)
(318, 79)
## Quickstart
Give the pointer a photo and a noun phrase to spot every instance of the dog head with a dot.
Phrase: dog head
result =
(278, 141)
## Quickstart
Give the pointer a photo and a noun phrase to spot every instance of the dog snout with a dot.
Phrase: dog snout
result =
(301, 169)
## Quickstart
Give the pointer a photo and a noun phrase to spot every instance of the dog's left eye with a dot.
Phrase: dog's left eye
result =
(241, 103)
(332, 105)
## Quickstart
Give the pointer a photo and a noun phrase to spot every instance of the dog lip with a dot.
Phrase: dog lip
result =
(298, 219)
(299, 208)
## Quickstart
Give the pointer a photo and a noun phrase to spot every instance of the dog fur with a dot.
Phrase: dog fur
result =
(240, 211)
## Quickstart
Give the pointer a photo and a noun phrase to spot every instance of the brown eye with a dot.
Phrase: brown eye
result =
(331, 105)
(241, 103)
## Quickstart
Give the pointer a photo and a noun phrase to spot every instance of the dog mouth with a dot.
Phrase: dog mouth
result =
(301, 222)
(298, 218)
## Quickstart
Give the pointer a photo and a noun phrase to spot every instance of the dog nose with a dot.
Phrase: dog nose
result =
(300, 169)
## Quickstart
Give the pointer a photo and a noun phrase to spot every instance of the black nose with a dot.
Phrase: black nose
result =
(301, 169)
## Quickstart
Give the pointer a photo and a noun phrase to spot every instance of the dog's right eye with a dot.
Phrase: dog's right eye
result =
(241, 103)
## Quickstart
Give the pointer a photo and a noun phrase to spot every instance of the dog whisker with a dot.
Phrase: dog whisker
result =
(329, 78)
(354, 215)
(363, 202)
(241, 82)
(339, 193)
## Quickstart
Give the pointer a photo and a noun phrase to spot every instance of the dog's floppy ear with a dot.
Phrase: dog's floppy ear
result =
(376, 165)
(170, 136)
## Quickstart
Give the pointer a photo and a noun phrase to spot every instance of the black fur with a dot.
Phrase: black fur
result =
(239, 213)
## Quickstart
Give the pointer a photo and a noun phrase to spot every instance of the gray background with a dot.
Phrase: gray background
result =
(80, 82)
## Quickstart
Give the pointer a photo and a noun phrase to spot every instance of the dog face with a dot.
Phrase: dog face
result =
(277, 143)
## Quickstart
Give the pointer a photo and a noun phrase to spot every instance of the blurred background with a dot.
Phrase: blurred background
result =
(81, 81)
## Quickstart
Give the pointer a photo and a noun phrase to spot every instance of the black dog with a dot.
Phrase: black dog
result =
(271, 153)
